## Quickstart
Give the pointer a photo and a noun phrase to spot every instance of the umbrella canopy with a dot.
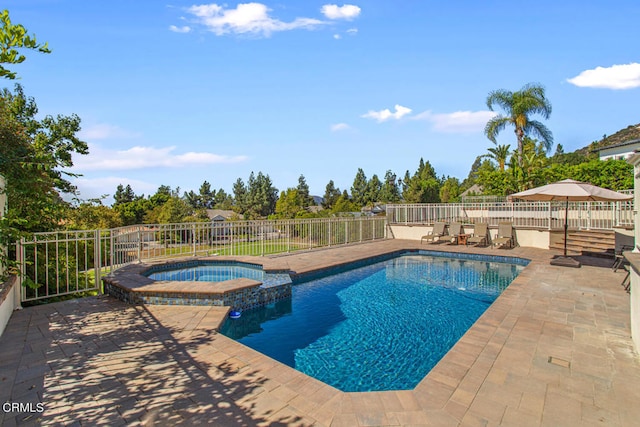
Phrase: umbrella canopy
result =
(574, 191)
(570, 190)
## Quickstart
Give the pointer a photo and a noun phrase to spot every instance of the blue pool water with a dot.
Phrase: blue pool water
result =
(210, 272)
(378, 327)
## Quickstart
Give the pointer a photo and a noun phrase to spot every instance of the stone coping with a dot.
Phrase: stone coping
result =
(132, 277)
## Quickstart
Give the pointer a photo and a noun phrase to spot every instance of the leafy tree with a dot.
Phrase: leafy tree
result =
(33, 157)
(424, 185)
(359, 188)
(613, 174)
(91, 215)
(133, 212)
(499, 154)
(450, 190)
(174, 210)
(162, 196)
(518, 107)
(343, 204)
(289, 204)
(496, 182)
(331, 195)
(12, 38)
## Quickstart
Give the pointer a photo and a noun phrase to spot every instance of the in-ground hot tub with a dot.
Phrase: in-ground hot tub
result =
(238, 285)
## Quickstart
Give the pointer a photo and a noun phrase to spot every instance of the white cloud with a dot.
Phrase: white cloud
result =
(625, 76)
(147, 157)
(106, 131)
(339, 126)
(246, 18)
(352, 31)
(457, 122)
(337, 36)
(386, 114)
(184, 29)
(347, 11)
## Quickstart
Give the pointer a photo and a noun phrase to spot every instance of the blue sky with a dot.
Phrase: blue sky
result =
(182, 92)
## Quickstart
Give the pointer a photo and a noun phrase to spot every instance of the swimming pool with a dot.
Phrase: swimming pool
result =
(382, 326)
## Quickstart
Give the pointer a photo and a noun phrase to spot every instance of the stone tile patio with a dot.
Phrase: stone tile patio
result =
(553, 350)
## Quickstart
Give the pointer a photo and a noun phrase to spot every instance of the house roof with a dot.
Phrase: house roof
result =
(219, 214)
(474, 189)
(620, 144)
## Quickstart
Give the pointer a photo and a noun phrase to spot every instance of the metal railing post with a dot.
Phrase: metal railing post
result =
(97, 262)
(140, 244)
(20, 253)
(231, 238)
(193, 238)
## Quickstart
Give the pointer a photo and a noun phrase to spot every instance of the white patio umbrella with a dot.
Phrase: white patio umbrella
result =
(570, 191)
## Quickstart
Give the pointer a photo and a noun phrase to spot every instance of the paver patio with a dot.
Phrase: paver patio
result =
(553, 350)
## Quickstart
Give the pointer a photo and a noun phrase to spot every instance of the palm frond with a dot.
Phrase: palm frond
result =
(502, 98)
(495, 126)
(539, 130)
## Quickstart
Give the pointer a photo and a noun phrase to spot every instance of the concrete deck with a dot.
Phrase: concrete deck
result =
(553, 350)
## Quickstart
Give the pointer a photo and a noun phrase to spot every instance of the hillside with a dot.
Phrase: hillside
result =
(627, 134)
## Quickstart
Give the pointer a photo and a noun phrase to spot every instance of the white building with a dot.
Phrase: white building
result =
(621, 151)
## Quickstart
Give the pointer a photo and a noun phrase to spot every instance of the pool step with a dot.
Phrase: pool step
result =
(587, 242)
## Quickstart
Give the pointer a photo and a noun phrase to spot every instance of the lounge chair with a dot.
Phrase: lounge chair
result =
(455, 230)
(436, 233)
(479, 236)
(504, 236)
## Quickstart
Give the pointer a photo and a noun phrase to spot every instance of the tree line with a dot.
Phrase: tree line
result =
(36, 154)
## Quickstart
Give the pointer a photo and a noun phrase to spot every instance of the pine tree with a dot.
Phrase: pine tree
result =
(359, 188)
(331, 195)
(303, 192)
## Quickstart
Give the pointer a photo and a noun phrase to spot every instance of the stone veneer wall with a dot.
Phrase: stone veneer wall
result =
(242, 299)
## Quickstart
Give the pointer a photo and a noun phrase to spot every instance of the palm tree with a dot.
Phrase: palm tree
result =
(518, 106)
(500, 154)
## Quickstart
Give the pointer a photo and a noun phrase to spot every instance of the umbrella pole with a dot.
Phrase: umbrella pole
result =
(566, 225)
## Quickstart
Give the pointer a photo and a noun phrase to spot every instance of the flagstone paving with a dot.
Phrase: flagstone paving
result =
(553, 350)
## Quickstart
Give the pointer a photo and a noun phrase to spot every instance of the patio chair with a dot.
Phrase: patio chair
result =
(480, 234)
(619, 259)
(455, 230)
(504, 236)
(436, 233)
